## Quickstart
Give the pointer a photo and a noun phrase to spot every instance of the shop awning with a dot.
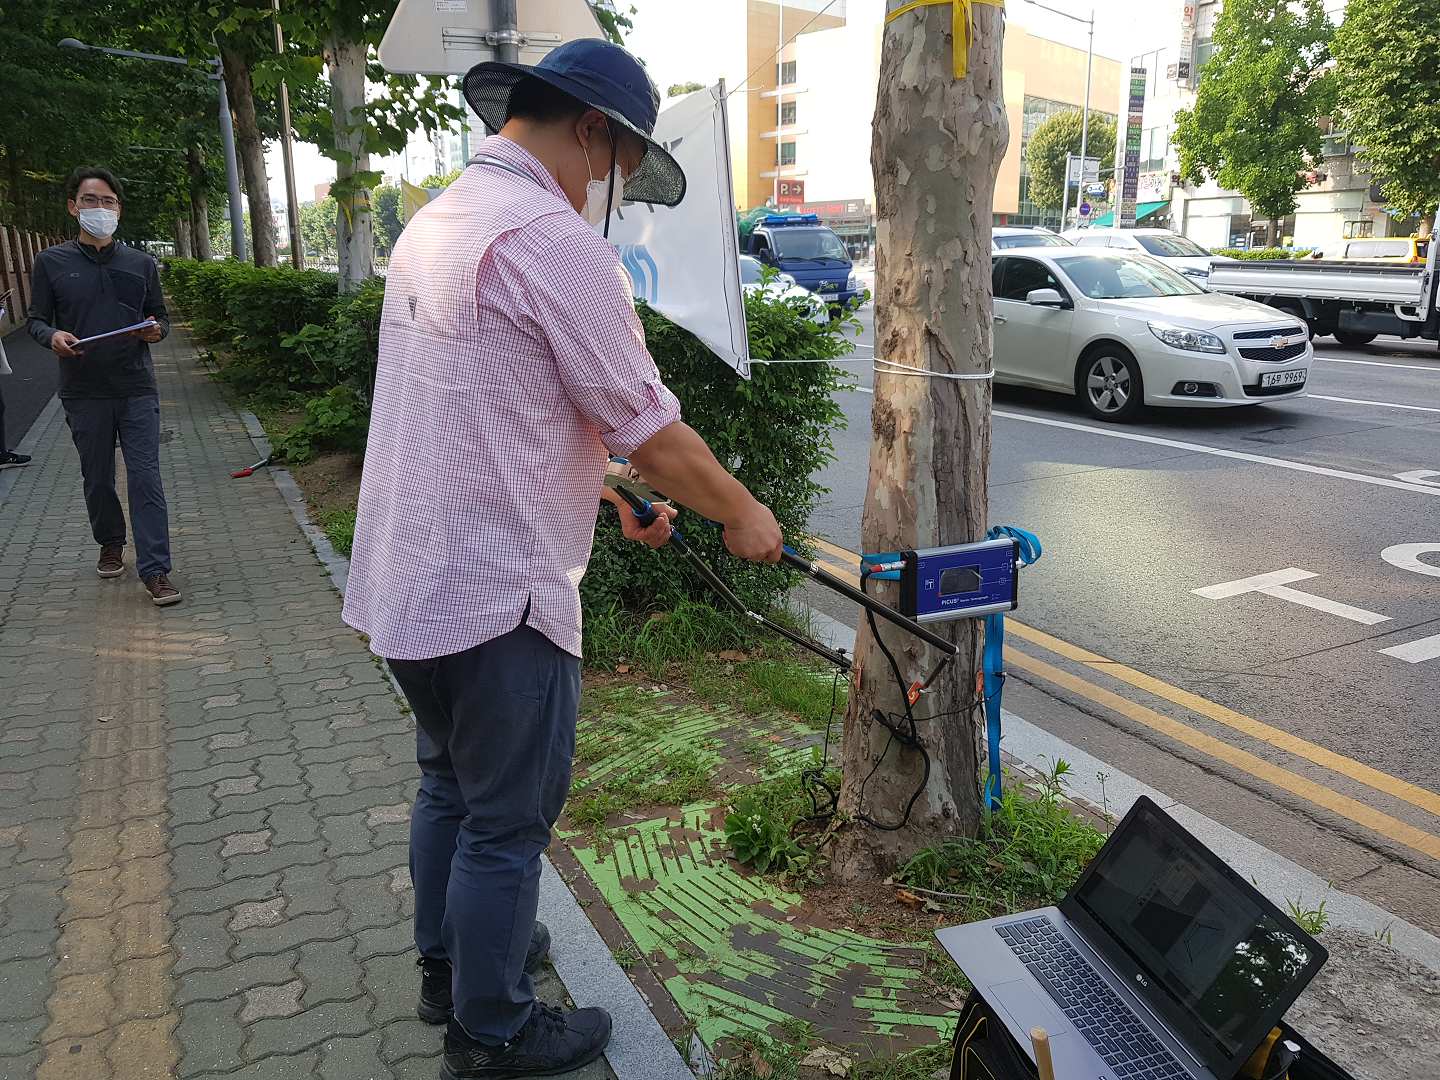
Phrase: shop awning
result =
(1144, 210)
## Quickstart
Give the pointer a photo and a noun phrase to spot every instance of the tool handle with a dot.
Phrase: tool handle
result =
(1040, 1039)
(640, 507)
(844, 588)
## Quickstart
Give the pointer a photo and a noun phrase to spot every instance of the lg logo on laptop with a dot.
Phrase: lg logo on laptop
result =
(1141, 979)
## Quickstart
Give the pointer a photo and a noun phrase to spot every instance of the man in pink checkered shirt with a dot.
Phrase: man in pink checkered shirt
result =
(511, 365)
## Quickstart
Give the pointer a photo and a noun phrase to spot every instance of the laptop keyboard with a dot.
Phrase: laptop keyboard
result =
(1097, 1012)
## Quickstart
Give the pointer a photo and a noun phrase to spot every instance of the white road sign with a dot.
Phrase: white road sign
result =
(449, 37)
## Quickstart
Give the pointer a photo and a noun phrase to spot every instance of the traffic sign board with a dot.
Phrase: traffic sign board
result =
(1084, 208)
(449, 37)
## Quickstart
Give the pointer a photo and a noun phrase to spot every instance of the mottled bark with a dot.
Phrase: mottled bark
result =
(182, 238)
(250, 149)
(938, 141)
(354, 222)
(199, 205)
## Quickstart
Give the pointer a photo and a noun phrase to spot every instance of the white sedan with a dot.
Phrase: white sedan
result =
(780, 287)
(1121, 331)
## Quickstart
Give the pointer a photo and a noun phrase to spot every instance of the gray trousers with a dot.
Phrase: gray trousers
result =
(95, 424)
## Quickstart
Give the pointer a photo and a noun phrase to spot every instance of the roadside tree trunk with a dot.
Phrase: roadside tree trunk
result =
(199, 205)
(938, 141)
(354, 222)
(1272, 233)
(182, 238)
(250, 148)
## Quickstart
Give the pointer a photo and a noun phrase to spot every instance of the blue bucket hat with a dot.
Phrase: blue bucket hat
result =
(603, 76)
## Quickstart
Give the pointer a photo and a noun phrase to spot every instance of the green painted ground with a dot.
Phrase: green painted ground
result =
(731, 947)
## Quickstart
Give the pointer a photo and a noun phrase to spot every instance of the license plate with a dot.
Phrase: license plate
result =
(828, 295)
(1283, 378)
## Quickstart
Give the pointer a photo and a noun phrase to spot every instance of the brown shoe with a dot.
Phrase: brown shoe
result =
(112, 561)
(161, 591)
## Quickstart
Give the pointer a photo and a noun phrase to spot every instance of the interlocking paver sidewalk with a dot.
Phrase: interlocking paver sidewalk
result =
(204, 809)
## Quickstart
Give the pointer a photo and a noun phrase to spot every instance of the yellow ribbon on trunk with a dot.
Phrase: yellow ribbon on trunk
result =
(961, 24)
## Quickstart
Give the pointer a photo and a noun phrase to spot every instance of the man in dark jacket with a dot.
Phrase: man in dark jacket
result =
(92, 286)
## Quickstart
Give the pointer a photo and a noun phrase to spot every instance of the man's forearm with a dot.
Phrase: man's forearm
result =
(676, 461)
(40, 331)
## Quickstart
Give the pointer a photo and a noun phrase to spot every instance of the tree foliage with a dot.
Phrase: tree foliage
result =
(613, 21)
(1387, 64)
(1255, 126)
(388, 226)
(681, 89)
(1056, 137)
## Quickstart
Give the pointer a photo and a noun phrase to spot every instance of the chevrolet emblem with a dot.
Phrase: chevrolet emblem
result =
(1279, 342)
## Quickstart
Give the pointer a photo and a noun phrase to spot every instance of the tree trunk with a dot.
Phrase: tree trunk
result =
(182, 238)
(1272, 233)
(354, 222)
(250, 149)
(199, 204)
(931, 436)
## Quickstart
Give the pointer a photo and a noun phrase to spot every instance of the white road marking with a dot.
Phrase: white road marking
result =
(1407, 557)
(1417, 476)
(1415, 652)
(1384, 404)
(1319, 603)
(1274, 584)
(863, 389)
(1377, 363)
(1197, 448)
(1227, 589)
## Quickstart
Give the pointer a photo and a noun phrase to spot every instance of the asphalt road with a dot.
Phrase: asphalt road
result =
(32, 386)
(1134, 518)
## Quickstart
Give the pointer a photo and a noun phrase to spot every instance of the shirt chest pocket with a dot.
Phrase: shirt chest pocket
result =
(129, 291)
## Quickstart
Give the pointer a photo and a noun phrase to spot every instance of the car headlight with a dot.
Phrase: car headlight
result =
(785, 279)
(852, 284)
(1190, 340)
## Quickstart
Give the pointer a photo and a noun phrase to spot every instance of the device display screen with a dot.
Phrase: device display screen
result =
(956, 580)
(1209, 945)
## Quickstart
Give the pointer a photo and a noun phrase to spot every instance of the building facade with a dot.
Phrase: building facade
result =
(1339, 202)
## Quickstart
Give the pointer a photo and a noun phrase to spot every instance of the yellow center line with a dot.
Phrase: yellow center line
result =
(830, 549)
(1416, 796)
(1358, 812)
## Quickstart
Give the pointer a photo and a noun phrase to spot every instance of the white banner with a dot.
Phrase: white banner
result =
(684, 260)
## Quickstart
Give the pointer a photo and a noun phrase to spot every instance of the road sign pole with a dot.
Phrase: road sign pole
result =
(232, 171)
(507, 31)
(1065, 198)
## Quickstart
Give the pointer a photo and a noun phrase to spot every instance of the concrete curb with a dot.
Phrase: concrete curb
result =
(639, 1048)
(1274, 875)
(27, 445)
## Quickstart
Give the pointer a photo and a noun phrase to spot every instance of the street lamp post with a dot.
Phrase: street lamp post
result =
(227, 130)
(1085, 116)
(292, 203)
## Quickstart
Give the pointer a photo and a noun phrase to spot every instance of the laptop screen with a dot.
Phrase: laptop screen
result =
(1223, 958)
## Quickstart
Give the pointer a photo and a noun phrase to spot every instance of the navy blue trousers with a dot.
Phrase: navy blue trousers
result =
(95, 424)
(495, 736)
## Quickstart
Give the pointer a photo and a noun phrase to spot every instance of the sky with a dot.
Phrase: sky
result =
(671, 37)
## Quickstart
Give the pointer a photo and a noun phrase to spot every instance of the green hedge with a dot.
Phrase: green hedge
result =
(1249, 254)
(287, 337)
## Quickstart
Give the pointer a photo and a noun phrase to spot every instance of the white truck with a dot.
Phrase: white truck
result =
(1354, 301)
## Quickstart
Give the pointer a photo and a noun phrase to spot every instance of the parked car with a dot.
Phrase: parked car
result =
(1003, 237)
(1395, 249)
(1121, 331)
(1178, 252)
(781, 287)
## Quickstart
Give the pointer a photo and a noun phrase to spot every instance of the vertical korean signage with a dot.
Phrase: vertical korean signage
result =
(1185, 66)
(1134, 125)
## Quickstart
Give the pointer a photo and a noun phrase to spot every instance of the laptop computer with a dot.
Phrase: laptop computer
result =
(1162, 963)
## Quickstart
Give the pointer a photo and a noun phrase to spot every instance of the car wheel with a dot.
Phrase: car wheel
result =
(1351, 338)
(1108, 382)
(1298, 314)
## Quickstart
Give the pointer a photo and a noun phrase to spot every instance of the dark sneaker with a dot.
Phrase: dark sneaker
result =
(550, 1042)
(112, 561)
(8, 459)
(435, 1003)
(161, 591)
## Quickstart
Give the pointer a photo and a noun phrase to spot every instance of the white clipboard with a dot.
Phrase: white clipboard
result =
(113, 333)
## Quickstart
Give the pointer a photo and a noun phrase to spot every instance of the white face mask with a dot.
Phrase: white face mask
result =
(99, 222)
(600, 199)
